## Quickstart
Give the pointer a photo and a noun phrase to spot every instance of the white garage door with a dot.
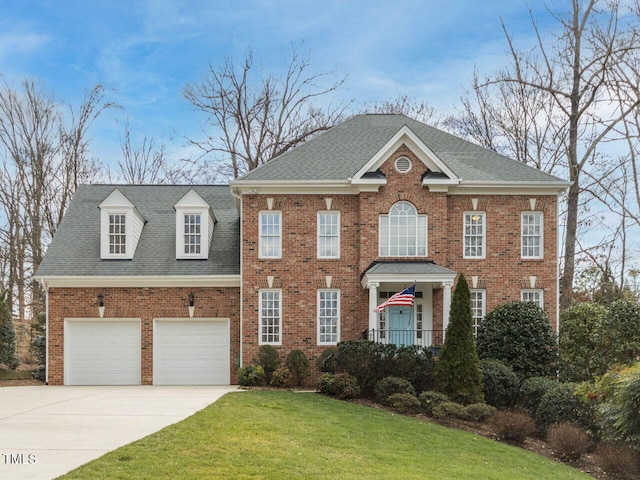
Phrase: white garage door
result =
(102, 352)
(191, 352)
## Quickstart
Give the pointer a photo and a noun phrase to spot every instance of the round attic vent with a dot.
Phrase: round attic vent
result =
(403, 164)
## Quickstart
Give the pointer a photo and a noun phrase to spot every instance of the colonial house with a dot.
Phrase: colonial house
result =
(182, 284)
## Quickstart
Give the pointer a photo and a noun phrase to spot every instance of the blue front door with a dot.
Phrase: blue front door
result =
(400, 325)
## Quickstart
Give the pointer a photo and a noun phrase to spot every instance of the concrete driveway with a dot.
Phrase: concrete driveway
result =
(46, 431)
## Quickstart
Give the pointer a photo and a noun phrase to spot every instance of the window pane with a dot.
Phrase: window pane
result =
(270, 234)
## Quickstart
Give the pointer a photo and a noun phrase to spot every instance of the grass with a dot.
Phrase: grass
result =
(276, 435)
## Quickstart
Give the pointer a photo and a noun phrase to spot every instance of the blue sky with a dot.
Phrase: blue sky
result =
(144, 52)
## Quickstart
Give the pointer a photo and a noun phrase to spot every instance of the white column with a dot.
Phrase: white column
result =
(446, 306)
(373, 303)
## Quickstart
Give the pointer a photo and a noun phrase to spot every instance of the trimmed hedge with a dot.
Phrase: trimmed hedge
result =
(390, 386)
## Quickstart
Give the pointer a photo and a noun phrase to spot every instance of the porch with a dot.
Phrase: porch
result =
(421, 338)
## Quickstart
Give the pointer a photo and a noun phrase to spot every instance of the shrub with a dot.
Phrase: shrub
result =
(520, 335)
(512, 427)
(342, 385)
(404, 402)
(391, 385)
(367, 361)
(414, 363)
(298, 365)
(458, 372)
(479, 412)
(449, 409)
(326, 361)
(617, 458)
(621, 410)
(500, 384)
(281, 377)
(268, 359)
(578, 340)
(430, 399)
(559, 404)
(619, 333)
(251, 376)
(533, 389)
(568, 441)
(324, 383)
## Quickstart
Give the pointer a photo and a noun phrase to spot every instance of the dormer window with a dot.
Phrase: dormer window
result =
(120, 227)
(118, 234)
(194, 227)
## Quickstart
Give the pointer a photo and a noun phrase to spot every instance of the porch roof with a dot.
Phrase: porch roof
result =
(410, 271)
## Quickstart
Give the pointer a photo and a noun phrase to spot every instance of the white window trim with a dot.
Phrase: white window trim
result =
(532, 257)
(539, 291)
(484, 235)
(483, 292)
(325, 212)
(204, 230)
(318, 315)
(128, 245)
(270, 212)
(260, 292)
(426, 235)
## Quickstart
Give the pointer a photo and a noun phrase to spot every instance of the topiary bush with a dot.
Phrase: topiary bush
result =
(579, 338)
(281, 378)
(298, 365)
(269, 359)
(457, 371)
(430, 399)
(392, 385)
(479, 412)
(251, 376)
(404, 402)
(500, 384)
(512, 427)
(448, 409)
(559, 404)
(520, 335)
(532, 390)
(342, 385)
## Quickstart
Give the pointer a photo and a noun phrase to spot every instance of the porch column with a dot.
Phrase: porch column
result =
(446, 306)
(373, 303)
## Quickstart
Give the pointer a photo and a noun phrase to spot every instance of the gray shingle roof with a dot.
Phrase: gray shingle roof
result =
(407, 268)
(340, 152)
(75, 249)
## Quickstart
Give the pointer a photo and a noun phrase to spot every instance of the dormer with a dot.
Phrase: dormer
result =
(120, 227)
(194, 227)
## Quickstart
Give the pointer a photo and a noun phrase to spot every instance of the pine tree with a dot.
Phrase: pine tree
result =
(7, 333)
(457, 371)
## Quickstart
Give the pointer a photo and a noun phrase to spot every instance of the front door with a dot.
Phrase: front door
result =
(400, 325)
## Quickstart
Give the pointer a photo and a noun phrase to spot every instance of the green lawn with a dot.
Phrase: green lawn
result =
(281, 435)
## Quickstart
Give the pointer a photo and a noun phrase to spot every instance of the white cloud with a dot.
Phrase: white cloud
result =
(21, 43)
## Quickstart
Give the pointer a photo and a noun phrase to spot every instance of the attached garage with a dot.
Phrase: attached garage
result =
(191, 351)
(102, 351)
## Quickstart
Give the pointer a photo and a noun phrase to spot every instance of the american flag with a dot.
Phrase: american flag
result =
(400, 299)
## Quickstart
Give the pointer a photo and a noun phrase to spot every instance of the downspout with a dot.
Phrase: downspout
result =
(239, 207)
(46, 329)
(558, 247)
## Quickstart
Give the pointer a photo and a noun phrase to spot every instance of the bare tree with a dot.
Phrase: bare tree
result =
(409, 106)
(567, 88)
(251, 121)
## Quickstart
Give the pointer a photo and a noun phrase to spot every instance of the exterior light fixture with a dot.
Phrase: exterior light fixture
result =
(192, 305)
(101, 305)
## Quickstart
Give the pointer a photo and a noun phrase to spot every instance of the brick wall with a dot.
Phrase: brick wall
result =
(299, 273)
(143, 303)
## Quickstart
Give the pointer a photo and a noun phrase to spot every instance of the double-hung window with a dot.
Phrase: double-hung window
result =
(192, 234)
(270, 317)
(532, 295)
(474, 235)
(270, 234)
(328, 234)
(478, 308)
(328, 317)
(117, 234)
(403, 233)
(532, 235)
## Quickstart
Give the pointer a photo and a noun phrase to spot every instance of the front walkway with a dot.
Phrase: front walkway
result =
(46, 431)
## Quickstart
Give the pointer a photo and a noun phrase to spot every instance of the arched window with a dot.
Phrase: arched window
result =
(403, 233)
